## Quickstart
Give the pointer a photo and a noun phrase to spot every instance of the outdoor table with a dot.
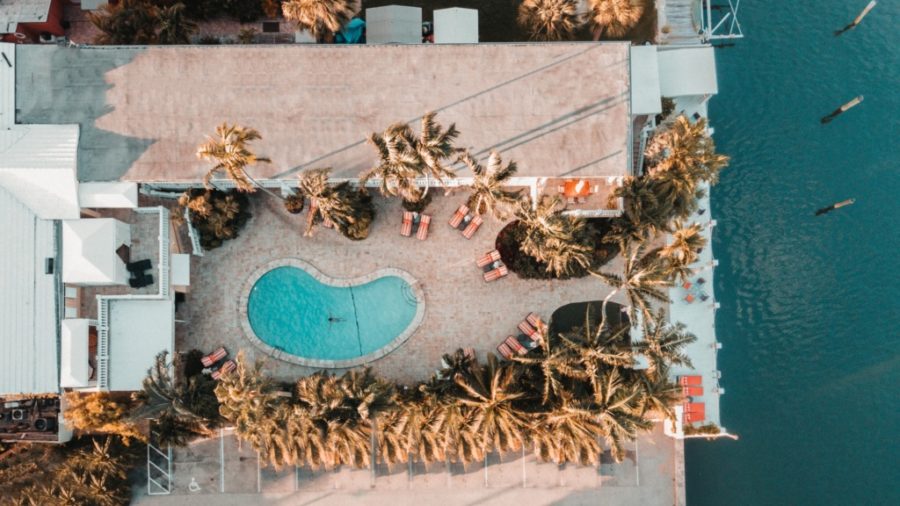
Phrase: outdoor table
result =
(576, 188)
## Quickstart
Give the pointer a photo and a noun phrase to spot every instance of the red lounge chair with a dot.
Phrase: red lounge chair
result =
(422, 233)
(534, 320)
(690, 380)
(458, 216)
(496, 274)
(527, 329)
(214, 357)
(473, 226)
(689, 298)
(488, 258)
(691, 391)
(226, 368)
(406, 227)
(687, 285)
(504, 351)
(694, 412)
(515, 345)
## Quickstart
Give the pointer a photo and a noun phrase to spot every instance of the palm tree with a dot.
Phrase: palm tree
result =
(552, 367)
(126, 23)
(593, 351)
(686, 242)
(321, 17)
(174, 26)
(643, 280)
(686, 148)
(663, 344)
(645, 213)
(568, 433)
(488, 193)
(435, 145)
(618, 404)
(552, 238)
(658, 393)
(550, 19)
(488, 396)
(399, 164)
(230, 149)
(328, 205)
(616, 17)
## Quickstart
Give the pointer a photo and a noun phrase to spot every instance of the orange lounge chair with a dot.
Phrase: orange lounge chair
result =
(496, 274)
(488, 258)
(212, 358)
(687, 285)
(515, 345)
(504, 351)
(406, 227)
(473, 226)
(689, 298)
(694, 412)
(459, 215)
(690, 380)
(422, 233)
(692, 391)
(226, 368)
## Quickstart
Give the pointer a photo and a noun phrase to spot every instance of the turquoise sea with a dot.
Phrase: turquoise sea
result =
(810, 306)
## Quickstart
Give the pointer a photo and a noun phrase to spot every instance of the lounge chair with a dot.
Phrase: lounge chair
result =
(700, 281)
(687, 285)
(694, 380)
(488, 258)
(703, 297)
(515, 345)
(406, 226)
(473, 226)
(139, 266)
(505, 351)
(534, 320)
(212, 358)
(424, 221)
(527, 329)
(496, 274)
(694, 412)
(141, 281)
(692, 391)
(689, 298)
(458, 216)
(226, 368)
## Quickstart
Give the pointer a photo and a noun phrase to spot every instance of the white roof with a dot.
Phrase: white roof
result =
(28, 314)
(73, 364)
(394, 24)
(89, 251)
(108, 195)
(138, 330)
(7, 85)
(645, 93)
(13, 12)
(455, 26)
(687, 71)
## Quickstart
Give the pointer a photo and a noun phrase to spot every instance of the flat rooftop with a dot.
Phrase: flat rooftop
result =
(558, 110)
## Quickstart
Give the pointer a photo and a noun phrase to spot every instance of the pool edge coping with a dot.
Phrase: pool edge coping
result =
(323, 278)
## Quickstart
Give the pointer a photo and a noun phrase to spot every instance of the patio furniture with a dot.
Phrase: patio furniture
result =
(424, 221)
(488, 258)
(505, 351)
(139, 266)
(406, 226)
(687, 285)
(515, 345)
(226, 368)
(700, 281)
(689, 298)
(703, 297)
(576, 188)
(459, 215)
(496, 274)
(141, 281)
(472, 227)
(212, 358)
(694, 412)
(595, 188)
(534, 320)
(693, 380)
(527, 329)
(692, 391)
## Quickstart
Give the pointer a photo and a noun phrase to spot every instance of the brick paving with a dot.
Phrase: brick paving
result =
(461, 310)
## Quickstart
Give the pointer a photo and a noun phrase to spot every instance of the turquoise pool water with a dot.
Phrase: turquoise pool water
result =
(292, 311)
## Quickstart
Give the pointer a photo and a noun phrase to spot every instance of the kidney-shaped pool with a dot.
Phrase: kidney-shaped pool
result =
(332, 322)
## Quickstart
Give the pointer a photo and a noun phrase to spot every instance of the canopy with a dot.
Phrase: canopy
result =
(394, 24)
(73, 366)
(687, 71)
(89, 251)
(138, 330)
(108, 195)
(645, 92)
(456, 26)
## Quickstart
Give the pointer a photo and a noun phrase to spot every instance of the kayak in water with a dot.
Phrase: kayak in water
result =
(832, 207)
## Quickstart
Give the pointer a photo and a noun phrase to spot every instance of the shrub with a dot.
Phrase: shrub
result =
(217, 216)
(294, 204)
(100, 412)
(418, 206)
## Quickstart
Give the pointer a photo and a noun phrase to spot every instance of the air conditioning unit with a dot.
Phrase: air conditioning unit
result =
(18, 414)
(44, 424)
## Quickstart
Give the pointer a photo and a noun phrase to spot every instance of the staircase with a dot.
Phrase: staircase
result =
(682, 19)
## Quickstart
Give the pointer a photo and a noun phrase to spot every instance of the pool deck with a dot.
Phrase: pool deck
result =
(461, 310)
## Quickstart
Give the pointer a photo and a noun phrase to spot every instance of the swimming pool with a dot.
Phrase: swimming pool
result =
(303, 316)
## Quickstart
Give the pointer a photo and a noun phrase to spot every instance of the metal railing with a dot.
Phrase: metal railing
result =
(159, 466)
(724, 25)
(102, 343)
(196, 247)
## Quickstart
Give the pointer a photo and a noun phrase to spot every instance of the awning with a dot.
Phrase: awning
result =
(108, 195)
(73, 367)
(138, 330)
(89, 251)
(456, 26)
(394, 24)
(687, 71)
(645, 92)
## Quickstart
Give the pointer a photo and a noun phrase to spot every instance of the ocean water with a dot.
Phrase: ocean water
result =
(292, 311)
(810, 311)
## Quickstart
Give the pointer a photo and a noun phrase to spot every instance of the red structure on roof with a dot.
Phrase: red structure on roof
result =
(25, 21)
